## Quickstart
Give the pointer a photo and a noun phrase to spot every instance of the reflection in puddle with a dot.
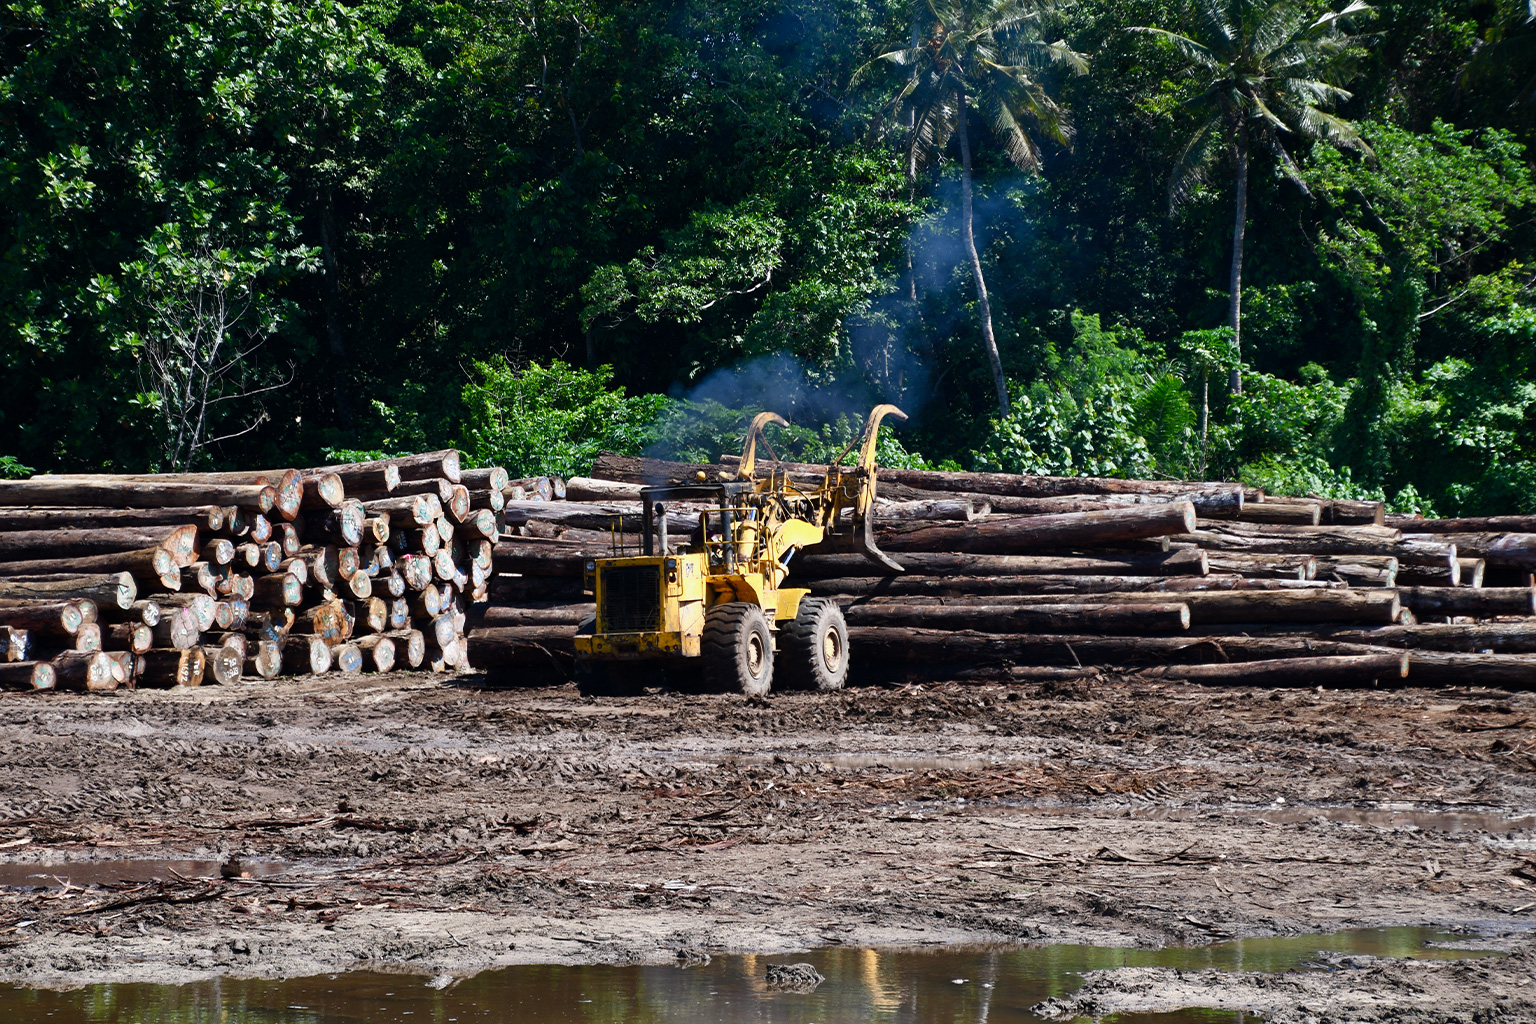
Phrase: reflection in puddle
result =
(948, 986)
(110, 872)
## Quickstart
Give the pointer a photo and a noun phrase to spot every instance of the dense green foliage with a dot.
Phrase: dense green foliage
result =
(261, 231)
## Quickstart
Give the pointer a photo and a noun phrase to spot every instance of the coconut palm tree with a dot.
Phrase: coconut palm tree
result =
(983, 56)
(1265, 67)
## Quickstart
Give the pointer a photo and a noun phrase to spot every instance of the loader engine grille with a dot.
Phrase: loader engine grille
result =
(632, 599)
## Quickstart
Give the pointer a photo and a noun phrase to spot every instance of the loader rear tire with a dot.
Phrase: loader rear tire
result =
(737, 649)
(813, 652)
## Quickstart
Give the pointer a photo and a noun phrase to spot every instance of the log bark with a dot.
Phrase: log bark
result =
(586, 488)
(479, 525)
(1067, 587)
(278, 590)
(127, 492)
(1503, 637)
(1482, 602)
(1322, 540)
(363, 477)
(177, 629)
(532, 488)
(1187, 562)
(1345, 670)
(27, 676)
(1120, 618)
(1284, 512)
(322, 491)
(1261, 566)
(1034, 533)
(507, 589)
(116, 590)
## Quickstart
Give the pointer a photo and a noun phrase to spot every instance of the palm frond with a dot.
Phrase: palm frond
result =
(1198, 52)
(1320, 124)
(1192, 168)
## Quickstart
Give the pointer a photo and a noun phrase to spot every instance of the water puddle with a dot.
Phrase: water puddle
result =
(948, 986)
(82, 873)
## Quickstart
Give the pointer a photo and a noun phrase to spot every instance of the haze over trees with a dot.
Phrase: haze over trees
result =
(256, 232)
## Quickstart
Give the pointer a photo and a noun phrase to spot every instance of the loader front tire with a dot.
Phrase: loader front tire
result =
(737, 649)
(813, 652)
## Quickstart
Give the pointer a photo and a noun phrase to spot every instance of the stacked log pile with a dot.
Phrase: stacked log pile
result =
(1056, 577)
(110, 581)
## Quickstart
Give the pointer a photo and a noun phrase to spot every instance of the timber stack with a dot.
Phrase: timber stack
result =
(110, 581)
(1033, 577)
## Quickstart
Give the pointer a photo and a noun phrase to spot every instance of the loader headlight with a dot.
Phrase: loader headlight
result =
(671, 563)
(591, 567)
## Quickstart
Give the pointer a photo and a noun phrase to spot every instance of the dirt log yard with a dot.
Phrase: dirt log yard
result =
(434, 825)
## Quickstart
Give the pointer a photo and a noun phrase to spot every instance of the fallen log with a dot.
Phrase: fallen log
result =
(1267, 511)
(586, 488)
(1499, 550)
(1344, 670)
(213, 518)
(519, 646)
(53, 620)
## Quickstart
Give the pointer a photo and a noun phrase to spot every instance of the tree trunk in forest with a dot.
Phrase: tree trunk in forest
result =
(1239, 229)
(967, 232)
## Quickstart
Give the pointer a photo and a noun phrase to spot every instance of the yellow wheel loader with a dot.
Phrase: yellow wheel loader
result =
(715, 599)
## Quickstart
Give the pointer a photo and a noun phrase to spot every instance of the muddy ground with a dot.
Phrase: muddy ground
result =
(436, 825)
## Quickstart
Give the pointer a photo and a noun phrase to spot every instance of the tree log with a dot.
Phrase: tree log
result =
(147, 563)
(417, 509)
(330, 621)
(1212, 607)
(1500, 550)
(167, 668)
(493, 478)
(1188, 562)
(1345, 670)
(131, 636)
(410, 647)
(306, 655)
(1291, 513)
(378, 653)
(1360, 570)
(116, 590)
(89, 671)
(109, 491)
(176, 629)
(1477, 524)
(278, 590)
(212, 518)
(1441, 668)
(1132, 619)
(1034, 533)
(27, 676)
(15, 644)
(521, 646)
(347, 658)
(492, 616)
(264, 659)
(901, 586)
(322, 491)
(533, 488)
(1482, 602)
(223, 664)
(56, 621)
(887, 644)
